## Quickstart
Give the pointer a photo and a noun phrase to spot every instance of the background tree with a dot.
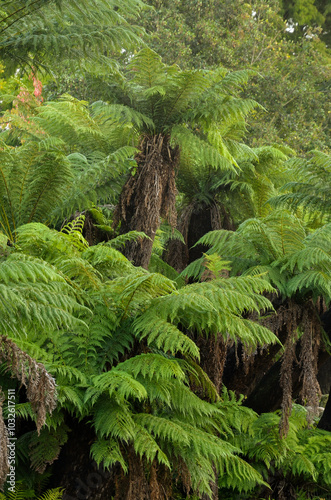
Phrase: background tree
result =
(302, 14)
(294, 75)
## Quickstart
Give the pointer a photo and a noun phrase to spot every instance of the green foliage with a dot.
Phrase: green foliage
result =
(35, 295)
(118, 339)
(63, 160)
(296, 458)
(293, 69)
(277, 246)
(21, 494)
(208, 308)
(89, 33)
(144, 401)
(164, 99)
(310, 189)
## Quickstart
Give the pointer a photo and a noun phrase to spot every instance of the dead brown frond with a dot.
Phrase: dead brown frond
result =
(40, 385)
(310, 342)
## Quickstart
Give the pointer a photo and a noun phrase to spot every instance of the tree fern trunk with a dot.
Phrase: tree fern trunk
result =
(148, 195)
(213, 356)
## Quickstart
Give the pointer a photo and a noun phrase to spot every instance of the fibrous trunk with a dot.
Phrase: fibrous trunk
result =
(148, 195)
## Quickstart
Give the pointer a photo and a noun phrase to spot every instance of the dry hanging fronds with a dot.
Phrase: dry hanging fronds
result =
(149, 195)
(40, 385)
(311, 391)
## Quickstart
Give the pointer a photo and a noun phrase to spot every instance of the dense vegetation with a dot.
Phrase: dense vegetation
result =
(165, 249)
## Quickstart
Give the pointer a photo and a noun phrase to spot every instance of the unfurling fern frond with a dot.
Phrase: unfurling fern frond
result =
(74, 230)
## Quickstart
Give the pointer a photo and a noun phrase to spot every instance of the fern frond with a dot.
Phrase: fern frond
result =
(163, 428)
(145, 445)
(120, 241)
(45, 447)
(163, 335)
(310, 186)
(66, 31)
(209, 308)
(202, 152)
(107, 452)
(152, 366)
(112, 418)
(119, 382)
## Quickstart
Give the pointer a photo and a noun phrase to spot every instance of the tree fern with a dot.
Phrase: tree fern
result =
(33, 29)
(154, 435)
(137, 395)
(53, 161)
(174, 108)
(309, 191)
(298, 266)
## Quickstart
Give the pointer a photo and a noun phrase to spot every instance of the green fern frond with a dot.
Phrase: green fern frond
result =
(143, 286)
(112, 418)
(209, 308)
(163, 428)
(196, 375)
(54, 494)
(107, 260)
(160, 333)
(121, 115)
(107, 452)
(22, 410)
(240, 475)
(74, 230)
(301, 465)
(65, 31)
(193, 146)
(147, 68)
(278, 246)
(310, 186)
(71, 398)
(157, 265)
(45, 447)
(152, 366)
(35, 292)
(145, 445)
(120, 241)
(115, 382)
(21, 493)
